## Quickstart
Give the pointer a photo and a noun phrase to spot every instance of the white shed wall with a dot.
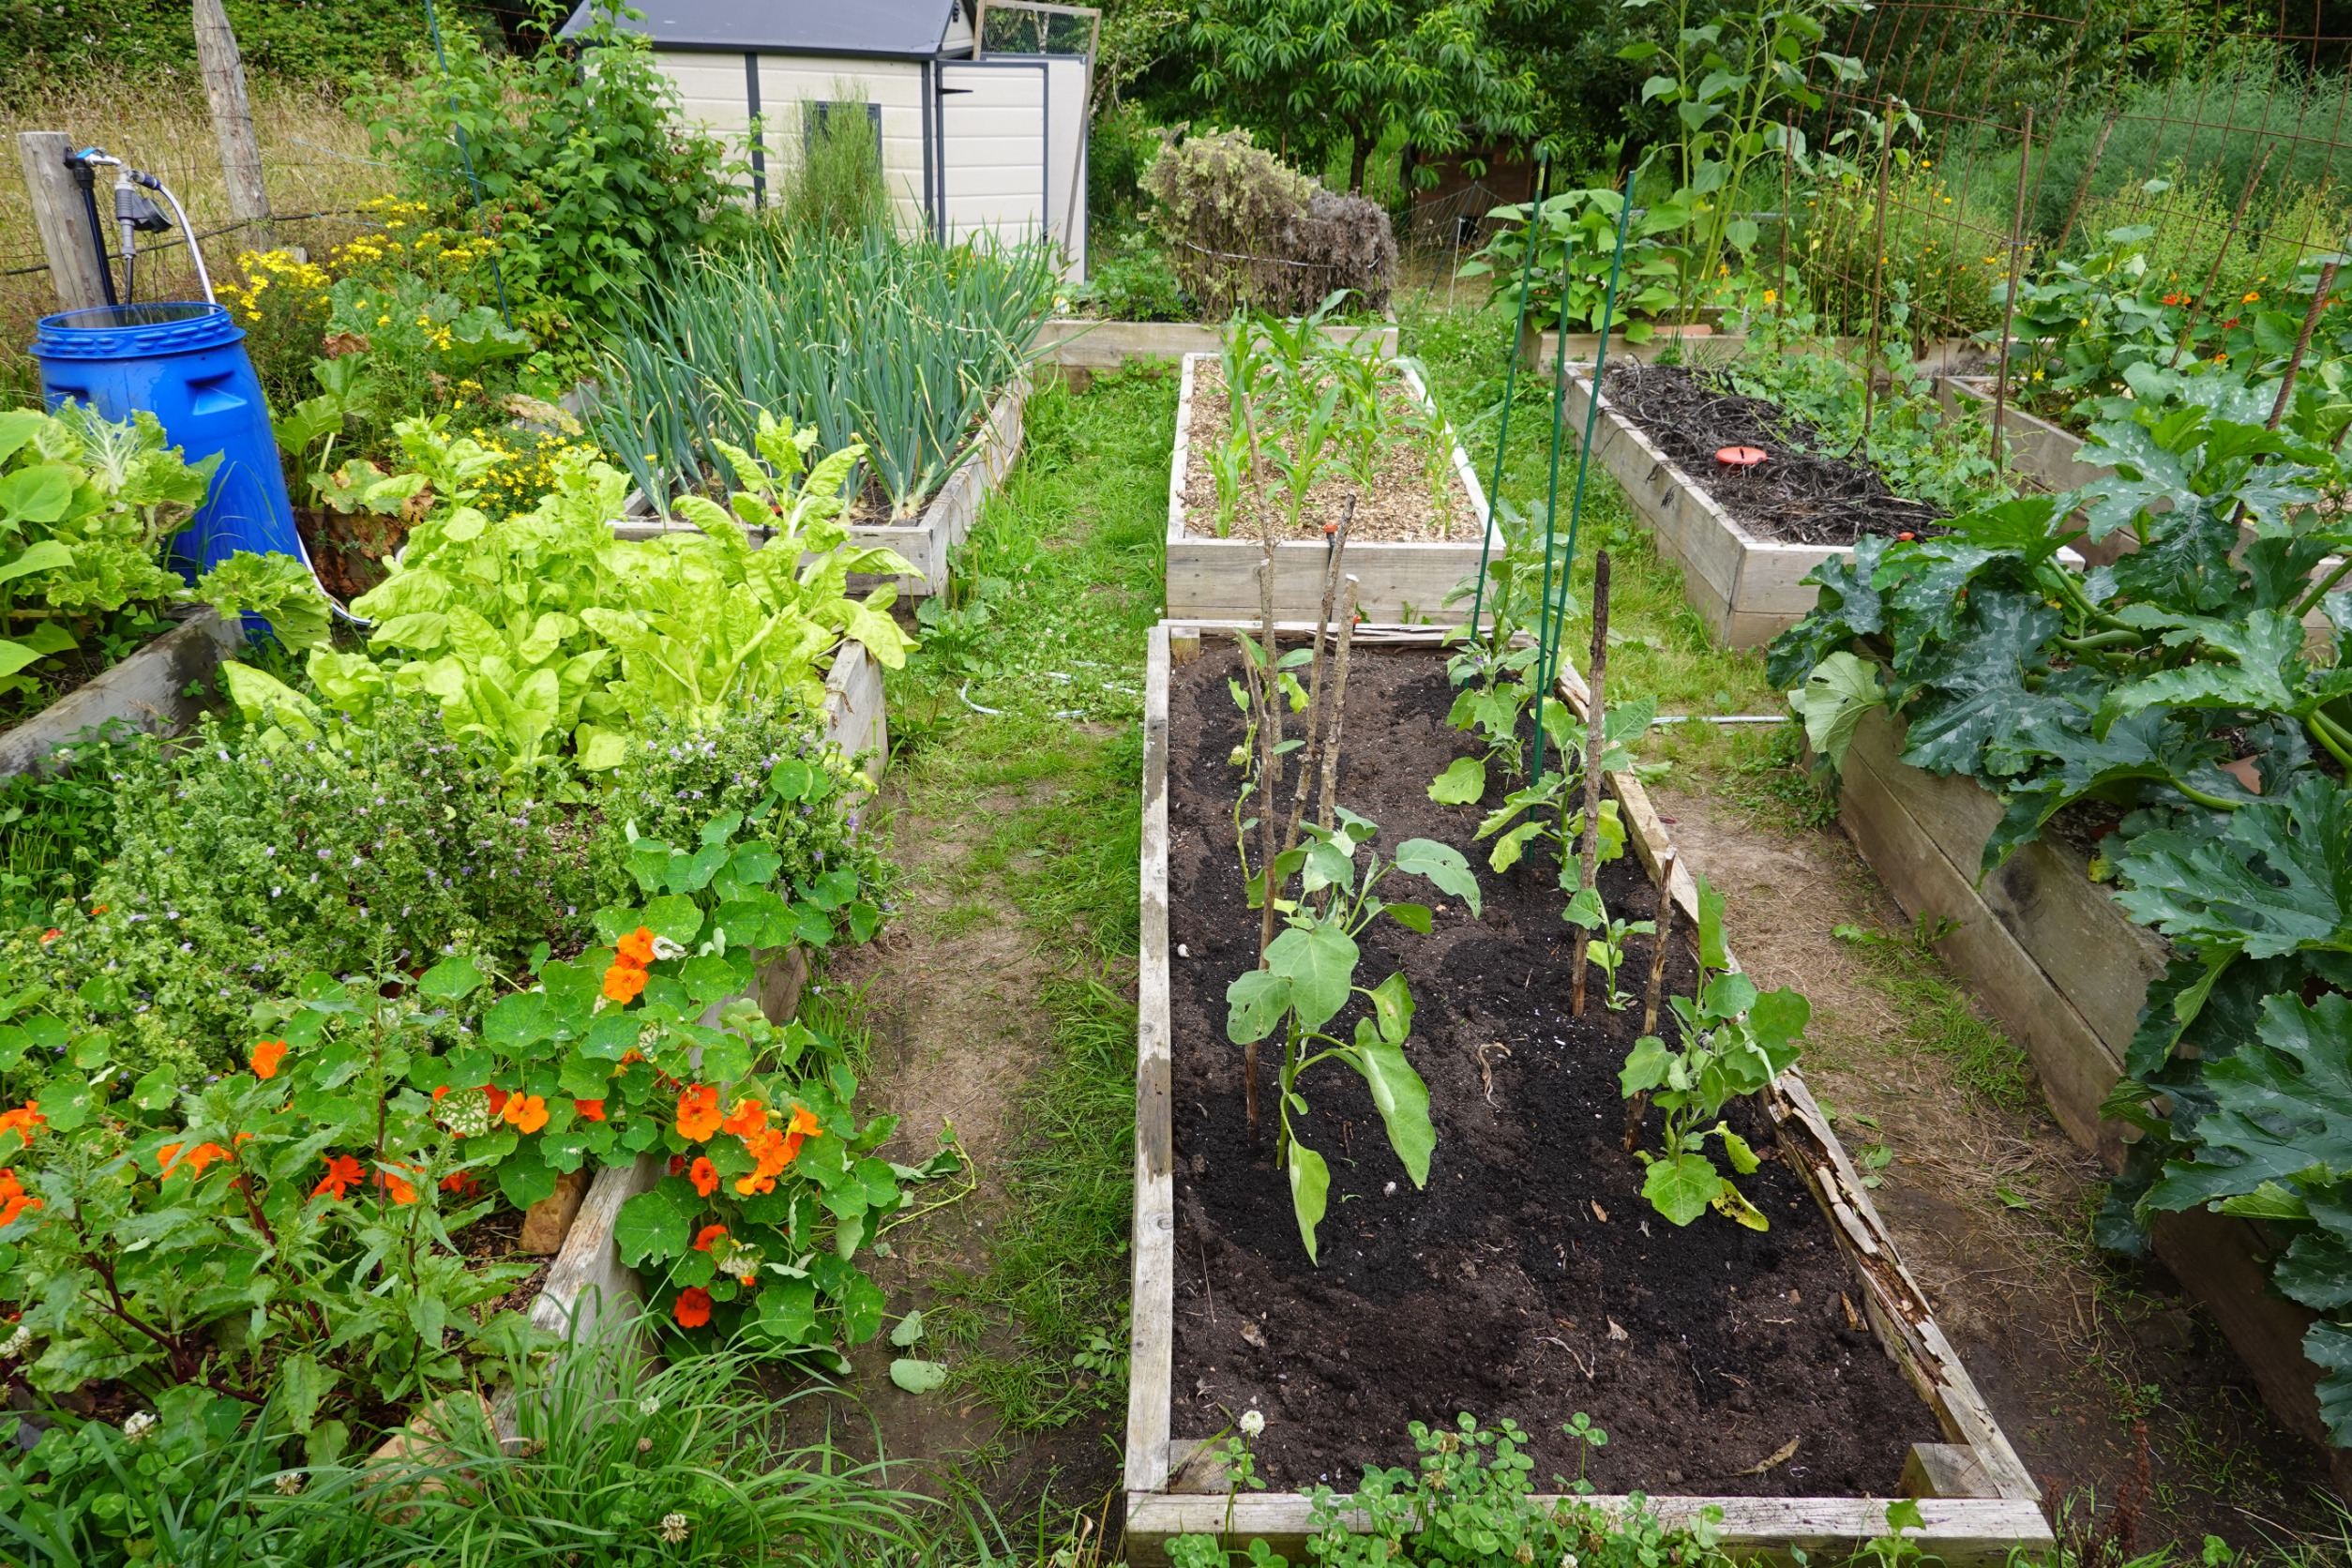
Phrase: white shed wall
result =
(712, 93)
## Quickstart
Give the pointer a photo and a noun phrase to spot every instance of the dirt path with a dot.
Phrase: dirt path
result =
(2113, 1385)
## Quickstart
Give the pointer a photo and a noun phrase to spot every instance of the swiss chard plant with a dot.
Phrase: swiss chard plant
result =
(1309, 979)
(1731, 1041)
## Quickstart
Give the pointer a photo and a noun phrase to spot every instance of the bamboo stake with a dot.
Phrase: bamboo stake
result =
(1877, 277)
(2229, 238)
(1325, 811)
(2302, 341)
(1332, 558)
(1595, 741)
(2082, 186)
(1638, 1107)
(1269, 781)
(2008, 308)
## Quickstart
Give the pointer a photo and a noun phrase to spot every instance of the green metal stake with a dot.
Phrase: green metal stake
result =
(1509, 380)
(1548, 628)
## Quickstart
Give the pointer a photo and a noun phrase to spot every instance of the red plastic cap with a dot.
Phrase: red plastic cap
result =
(1739, 457)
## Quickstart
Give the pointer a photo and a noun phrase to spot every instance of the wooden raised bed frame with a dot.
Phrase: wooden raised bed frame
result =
(1075, 345)
(149, 690)
(2054, 957)
(1212, 577)
(1979, 1502)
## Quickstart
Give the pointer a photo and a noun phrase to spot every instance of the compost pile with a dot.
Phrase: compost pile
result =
(1797, 495)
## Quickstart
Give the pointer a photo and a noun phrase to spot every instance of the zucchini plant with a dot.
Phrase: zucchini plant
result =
(1732, 1041)
(1309, 979)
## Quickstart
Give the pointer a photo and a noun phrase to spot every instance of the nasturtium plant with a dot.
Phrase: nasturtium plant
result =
(1732, 1041)
(1309, 977)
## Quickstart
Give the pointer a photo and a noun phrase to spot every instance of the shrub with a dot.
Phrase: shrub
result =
(1244, 231)
(240, 868)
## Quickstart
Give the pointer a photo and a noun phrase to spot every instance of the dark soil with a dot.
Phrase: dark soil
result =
(1797, 495)
(348, 550)
(1530, 1280)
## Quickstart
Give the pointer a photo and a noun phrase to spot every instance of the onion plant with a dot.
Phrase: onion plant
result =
(896, 342)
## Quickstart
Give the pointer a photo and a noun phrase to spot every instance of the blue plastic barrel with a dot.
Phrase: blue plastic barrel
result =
(185, 363)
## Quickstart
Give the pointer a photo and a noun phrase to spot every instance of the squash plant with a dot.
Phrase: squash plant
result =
(1733, 1041)
(1309, 977)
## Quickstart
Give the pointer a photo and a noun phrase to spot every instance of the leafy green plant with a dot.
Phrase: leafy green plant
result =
(1733, 1040)
(1606, 948)
(1576, 248)
(1309, 979)
(897, 344)
(1738, 83)
(515, 625)
(1546, 808)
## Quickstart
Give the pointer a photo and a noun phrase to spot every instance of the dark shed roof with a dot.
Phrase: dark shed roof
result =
(911, 28)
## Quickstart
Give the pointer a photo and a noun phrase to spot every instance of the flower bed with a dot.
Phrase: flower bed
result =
(1407, 569)
(1493, 1231)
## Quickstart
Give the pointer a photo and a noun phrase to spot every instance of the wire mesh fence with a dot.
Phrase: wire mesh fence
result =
(1987, 137)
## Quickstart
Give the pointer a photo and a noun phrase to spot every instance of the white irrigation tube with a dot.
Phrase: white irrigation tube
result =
(1722, 719)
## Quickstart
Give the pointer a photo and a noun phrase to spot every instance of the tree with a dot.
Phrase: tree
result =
(1334, 73)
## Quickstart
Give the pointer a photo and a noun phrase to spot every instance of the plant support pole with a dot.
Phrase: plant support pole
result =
(2009, 306)
(1324, 809)
(1333, 559)
(1547, 653)
(1877, 277)
(2302, 340)
(1510, 382)
(1595, 742)
(1640, 1104)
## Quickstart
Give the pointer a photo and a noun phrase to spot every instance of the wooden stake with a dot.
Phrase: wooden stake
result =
(1332, 563)
(2082, 186)
(62, 220)
(1269, 780)
(2008, 311)
(1326, 810)
(1638, 1107)
(232, 121)
(1878, 276)
(1595, 741)
(2302, 342)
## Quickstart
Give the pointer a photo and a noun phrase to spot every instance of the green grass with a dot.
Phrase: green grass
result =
(1067, 561)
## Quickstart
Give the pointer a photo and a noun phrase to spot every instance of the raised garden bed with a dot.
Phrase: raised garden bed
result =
(2053, 956)
(149, 690)
(924, 542)
(2034, 448)
(1074, 344)
(1529, 1279)
(1402, 579)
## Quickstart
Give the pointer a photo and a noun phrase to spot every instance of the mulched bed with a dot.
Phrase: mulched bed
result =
(1530, 1280)
(1797, 495)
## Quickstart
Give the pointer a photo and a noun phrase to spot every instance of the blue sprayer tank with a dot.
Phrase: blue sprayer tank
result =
(184, 362)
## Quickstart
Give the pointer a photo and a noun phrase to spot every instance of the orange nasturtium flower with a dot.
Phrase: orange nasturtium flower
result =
(588, 1110)
(636, 949)
(750, 1119)
(267, 1055)
(704, 1175)
(699, 1115)
(23, 1120)
(622, 983)
(342, 1174)
(710, 1233)
(202, 1156)
(459, 1182)
(693, 1307)
(524, 1112)
(399, 1189)
(14, 1200)
(51, 935)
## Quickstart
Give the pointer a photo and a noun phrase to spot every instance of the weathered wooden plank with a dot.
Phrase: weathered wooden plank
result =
(1945, 1470)
(2220, 1259)
(856, 716)
(147, 691)
(588, 1289)
(2076, 1068)
(1151, 1352)
(1106, 345)
(1962, 1532)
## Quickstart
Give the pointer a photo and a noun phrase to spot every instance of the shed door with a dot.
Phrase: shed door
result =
(992, 129)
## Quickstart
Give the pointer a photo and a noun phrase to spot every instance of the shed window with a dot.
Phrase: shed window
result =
(818, 118)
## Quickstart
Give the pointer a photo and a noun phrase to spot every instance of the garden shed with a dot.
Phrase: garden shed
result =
(972, 141)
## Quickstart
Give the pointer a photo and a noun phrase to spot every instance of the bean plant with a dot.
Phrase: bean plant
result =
(1309, 979)
(1732, 1040)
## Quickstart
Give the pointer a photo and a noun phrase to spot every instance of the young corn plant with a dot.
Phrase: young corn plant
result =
(1309, 979)
(1732, 1041)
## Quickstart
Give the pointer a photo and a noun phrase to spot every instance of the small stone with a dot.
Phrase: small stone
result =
(1389, 1191)
(1182, 952)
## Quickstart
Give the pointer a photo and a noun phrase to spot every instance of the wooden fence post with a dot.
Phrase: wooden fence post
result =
(233, 122)
(63, 220)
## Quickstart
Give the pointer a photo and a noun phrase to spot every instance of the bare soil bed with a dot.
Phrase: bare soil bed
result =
(1400, 507)
(1797, 495)
(1530, 1280)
